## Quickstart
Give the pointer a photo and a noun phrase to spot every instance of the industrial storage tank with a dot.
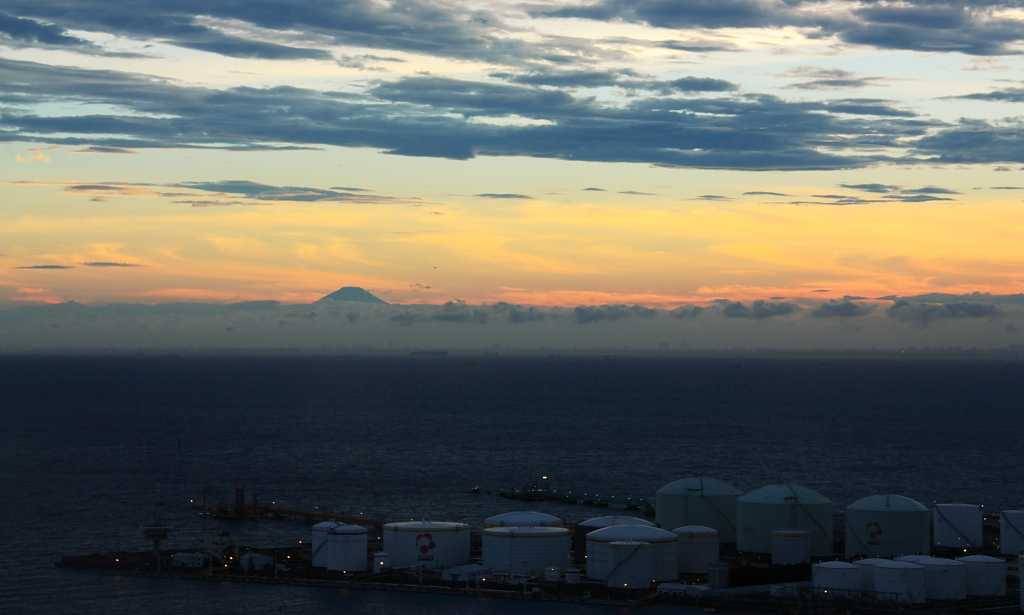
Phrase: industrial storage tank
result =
(320, 542)
(523, 550)
(842, 576)
(1011, 532)
(791, 547)
(783, 507)
(579, 539)
(698, 501)
(902, 581)
(868, 565)
(986, 576)
(664, 558)
(629, 564)
(946, 578)
(602, 522)
(432, 544)
(346, 548)
(887, 526)
(523, 518)
(958, 525)
(698, 548)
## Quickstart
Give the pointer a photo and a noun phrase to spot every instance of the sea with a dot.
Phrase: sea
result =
(88, 444)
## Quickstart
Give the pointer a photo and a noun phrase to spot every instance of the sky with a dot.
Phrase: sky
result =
(816, 162)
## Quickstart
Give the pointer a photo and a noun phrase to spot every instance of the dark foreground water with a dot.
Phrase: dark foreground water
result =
(88, 443)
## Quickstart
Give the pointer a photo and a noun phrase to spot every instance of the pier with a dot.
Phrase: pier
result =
(244, 510)
(544, 492)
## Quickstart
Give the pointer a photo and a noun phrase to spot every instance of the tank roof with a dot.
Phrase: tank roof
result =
(897, 564)
(522, 518)
(347, 529)
(698, 486)
(533, 531)
(784, 494)
(695, 530)
(888, 502)
(837, 564)
(412, 526)
(981, 559)
(928, 560)
(613, 520)
(642, 533)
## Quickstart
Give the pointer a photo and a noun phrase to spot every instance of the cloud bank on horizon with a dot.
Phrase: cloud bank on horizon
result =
(363, 322)
(613, 155)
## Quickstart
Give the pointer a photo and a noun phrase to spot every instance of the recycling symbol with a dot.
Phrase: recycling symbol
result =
(874, 530)
(425, 542)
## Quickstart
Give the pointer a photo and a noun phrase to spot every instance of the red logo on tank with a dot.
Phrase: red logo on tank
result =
(874, 530)
(425, 542)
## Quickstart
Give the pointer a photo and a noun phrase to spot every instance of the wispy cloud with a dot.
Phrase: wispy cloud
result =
(493, 195)
(109, 264)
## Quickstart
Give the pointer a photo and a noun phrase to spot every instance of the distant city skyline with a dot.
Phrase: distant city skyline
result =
(553, 154)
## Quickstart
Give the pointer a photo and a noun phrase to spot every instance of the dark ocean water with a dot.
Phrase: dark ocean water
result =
(89, 443)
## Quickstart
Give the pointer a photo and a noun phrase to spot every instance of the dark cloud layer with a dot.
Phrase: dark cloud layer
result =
(845, 309)
(31, 31)
(434, 116)
(585, 314)
(757, 309)
(924, 313)
(920, 25)
(419, 26)
(975, 297)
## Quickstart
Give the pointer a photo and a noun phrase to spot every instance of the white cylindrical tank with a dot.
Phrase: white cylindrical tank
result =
(432, 544)
(958, 525)
(986, 576)
(381, 560)
(1011, 532)
(868, 566)
(346, 548)
(523, 518)
(579, 540)
(698, 548)
(838, 575)
(572, 576)
(698, 501)
(524, 550)
(946, 578)
(900, 581)
(664, 558)
(319, 542)
(887, 526)
(601, 522)
(776, 507)
(791, 547)
(629, 564)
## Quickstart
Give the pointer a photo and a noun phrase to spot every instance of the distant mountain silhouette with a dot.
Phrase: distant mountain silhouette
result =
(351, 293)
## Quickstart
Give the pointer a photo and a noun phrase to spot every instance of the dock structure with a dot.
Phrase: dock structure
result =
(544, 492)
(243, 510)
